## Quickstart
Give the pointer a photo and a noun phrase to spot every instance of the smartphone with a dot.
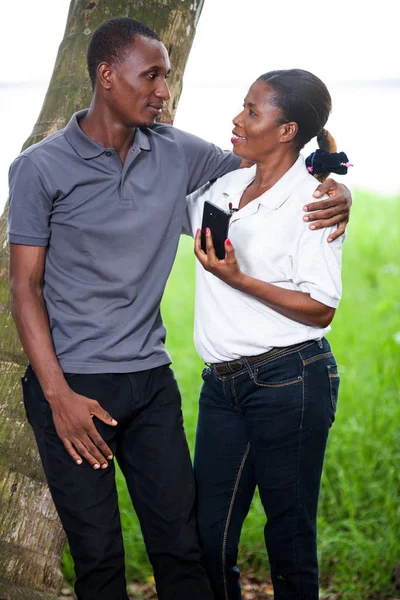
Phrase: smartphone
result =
(217, 220)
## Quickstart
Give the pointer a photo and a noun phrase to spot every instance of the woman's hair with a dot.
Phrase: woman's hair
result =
(303, 98)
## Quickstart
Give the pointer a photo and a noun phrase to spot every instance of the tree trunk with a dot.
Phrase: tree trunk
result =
(31, 537)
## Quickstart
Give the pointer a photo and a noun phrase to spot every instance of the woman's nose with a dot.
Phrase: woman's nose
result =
(238, 119)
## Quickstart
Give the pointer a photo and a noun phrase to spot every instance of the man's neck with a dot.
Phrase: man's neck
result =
(102, 128)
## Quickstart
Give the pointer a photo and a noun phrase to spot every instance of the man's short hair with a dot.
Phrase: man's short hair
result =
(112, 40)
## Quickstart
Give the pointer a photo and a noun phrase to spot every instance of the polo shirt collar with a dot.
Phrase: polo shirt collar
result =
(275, 197)
(239, 182)
(88, 148)
(141, 139)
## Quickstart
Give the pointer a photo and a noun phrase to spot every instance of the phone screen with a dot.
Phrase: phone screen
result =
(217, 221)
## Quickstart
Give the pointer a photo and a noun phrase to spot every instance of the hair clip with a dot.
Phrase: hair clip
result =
(327, 162)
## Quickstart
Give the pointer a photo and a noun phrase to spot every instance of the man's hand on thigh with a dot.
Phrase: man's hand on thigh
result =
(73, 420)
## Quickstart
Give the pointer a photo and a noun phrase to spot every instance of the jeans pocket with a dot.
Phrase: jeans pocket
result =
(70, 375)
(25, 395)
(334, 381)
(37, 408)
(279, 373)
(207, 371)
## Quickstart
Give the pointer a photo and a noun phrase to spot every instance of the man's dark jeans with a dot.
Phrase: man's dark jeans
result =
(266, 425)
(150, 446)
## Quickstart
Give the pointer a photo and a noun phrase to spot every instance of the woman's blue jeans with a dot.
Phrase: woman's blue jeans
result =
(265, 425)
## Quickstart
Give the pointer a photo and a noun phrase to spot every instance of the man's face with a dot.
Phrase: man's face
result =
(138, 87)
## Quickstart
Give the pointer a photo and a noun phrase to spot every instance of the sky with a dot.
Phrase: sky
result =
(353, 47)
(239, 39)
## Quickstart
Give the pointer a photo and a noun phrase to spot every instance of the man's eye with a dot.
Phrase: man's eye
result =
(251, 112)
(152, 75)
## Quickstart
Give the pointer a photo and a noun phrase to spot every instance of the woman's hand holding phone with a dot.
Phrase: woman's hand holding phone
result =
(227, 269)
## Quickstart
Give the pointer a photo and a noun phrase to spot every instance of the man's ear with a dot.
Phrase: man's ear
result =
(104, 75)
(289, 131)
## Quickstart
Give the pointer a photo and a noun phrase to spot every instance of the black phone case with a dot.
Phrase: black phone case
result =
(217, 221)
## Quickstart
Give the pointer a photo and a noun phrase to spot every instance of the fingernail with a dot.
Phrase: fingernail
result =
(207, 230)
(305, 208)
(114, 422)
(316, 193)
(104, 466)
(312, 227)
(96, 466)
(228, 242)
(110, 457)
(306, 218)
(197, 231)
(330, 240)
(79, 462)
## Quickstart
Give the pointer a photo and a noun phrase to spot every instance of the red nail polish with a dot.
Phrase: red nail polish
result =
(207, 230)
(228, 242)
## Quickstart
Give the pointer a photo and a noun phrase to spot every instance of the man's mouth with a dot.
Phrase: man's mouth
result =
(155, 108)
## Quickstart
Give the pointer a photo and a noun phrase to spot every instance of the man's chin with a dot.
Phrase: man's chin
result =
(145, 122)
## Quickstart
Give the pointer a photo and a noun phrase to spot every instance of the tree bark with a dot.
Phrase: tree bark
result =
(31, 536)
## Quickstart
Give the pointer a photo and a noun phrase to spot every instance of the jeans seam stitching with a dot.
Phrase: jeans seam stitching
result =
(228, 518)
(236, 403)
(278, 385)
(332, 377)
(297, 481)
(307, 361)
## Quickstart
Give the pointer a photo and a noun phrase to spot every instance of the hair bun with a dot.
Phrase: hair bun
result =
(326, 141)
(327, 162)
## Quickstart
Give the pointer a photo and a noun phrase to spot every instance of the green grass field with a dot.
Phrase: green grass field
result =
(359, 513)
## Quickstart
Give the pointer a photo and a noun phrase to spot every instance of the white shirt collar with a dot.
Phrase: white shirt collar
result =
(276, 196)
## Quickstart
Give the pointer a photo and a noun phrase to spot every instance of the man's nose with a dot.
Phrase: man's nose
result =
(162, 91)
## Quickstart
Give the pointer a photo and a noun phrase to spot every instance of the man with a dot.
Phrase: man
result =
(95, 216)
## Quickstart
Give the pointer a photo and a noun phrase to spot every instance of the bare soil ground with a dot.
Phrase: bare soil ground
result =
(251, 590)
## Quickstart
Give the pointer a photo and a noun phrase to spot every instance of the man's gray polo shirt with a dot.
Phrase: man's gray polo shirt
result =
(111, 233)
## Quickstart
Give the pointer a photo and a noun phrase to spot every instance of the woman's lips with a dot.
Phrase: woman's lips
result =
(236, 139)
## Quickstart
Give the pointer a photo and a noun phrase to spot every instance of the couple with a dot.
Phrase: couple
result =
(95, 215)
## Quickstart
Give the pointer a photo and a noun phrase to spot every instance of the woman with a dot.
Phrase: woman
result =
(270, 390)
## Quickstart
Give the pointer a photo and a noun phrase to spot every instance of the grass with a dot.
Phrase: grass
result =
(359, 513)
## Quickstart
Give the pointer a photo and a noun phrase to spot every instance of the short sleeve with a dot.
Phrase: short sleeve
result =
(317, 266)
(205, 161)
(194, 209)
(29, 205)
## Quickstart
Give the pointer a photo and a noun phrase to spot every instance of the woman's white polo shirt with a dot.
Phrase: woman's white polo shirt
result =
(273, 244)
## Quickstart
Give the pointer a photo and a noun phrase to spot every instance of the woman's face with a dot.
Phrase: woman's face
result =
(256, 133)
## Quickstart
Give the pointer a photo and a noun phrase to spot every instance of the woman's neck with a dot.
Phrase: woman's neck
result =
(270, 170)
